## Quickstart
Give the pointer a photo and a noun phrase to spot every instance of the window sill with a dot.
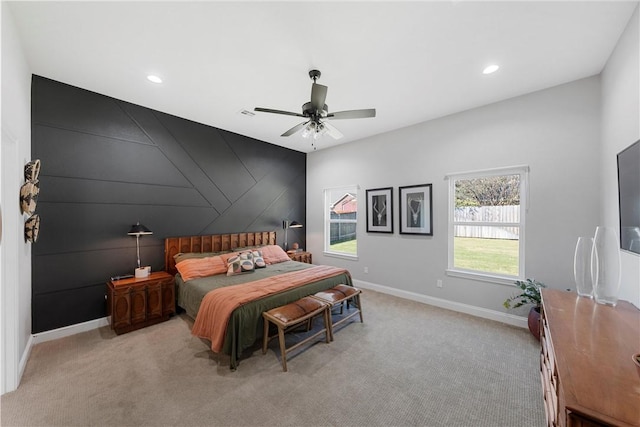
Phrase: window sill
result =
(341, 256)
(483, 277)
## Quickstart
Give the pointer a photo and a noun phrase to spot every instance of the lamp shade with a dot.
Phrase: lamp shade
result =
(139, 230)
(290, 224)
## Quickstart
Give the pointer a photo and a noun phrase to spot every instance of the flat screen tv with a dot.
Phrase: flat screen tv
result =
(629, 197)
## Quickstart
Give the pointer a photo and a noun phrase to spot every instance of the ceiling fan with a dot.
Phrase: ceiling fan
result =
(317, 113)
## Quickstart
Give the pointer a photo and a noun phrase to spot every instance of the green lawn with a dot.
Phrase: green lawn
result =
(490, 255)
(349, 247)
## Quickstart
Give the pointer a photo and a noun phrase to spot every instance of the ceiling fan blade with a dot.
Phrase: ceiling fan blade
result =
(318, 96)
(352, 114)
(269, 110)
(295, 129)
(332, 131)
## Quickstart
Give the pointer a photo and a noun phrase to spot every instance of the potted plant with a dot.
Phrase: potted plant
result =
(530, 295)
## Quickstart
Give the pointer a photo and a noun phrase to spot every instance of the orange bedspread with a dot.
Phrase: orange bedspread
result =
(217, 305)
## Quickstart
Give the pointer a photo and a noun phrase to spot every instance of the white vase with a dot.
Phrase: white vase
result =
(605, 266)
(582, 267)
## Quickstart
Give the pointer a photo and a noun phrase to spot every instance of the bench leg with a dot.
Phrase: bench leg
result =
(265, 337)
(283, 349)
(328, 323)
(359, 307)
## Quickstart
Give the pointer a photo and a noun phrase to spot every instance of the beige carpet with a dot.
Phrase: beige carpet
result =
(408, 364)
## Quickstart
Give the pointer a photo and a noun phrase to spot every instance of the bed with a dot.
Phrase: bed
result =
(244, 325)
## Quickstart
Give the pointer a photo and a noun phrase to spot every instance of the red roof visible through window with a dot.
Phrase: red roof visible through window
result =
(346, 204)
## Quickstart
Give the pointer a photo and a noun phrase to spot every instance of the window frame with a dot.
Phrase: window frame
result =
(493, 277)
(327, 203)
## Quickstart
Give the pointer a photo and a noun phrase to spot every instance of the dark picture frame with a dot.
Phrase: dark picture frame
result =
(380, 210)
(416, 209)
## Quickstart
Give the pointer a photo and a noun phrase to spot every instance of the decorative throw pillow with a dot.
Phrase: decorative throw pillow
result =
(274, 254)
(258, 260)
(201, 267)
(241, 263)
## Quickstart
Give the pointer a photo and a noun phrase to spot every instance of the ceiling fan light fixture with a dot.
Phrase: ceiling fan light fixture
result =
(309, 129)
(321, 129)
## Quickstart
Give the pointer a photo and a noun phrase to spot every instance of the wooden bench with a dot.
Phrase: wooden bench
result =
(292, 315)
(338, 296)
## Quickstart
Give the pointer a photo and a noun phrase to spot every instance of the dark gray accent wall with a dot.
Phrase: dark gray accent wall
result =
(107, 163)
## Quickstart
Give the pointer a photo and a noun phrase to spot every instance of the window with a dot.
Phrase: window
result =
(486, 223)
(341, 217)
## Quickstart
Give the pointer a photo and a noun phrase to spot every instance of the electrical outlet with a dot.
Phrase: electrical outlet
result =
(439, 283)
(366, 270)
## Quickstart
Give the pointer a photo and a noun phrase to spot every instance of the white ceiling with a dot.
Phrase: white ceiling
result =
(412, 61)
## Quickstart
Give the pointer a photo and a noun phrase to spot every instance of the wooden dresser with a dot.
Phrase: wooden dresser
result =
(135, 303)
(588, 376)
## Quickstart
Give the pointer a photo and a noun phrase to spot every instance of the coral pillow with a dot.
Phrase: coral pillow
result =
(179, 257)
(225, 257)
(201, 267)
(274, 254)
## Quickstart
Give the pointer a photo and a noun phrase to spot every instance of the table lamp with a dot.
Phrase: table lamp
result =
(140, 230)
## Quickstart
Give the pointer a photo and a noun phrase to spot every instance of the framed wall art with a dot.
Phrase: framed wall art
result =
(380, 210)
(416, 210)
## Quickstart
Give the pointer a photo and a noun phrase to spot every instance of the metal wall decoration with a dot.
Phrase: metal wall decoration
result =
(29, 200)
(29, 197)
(31, 228)
(32, 170)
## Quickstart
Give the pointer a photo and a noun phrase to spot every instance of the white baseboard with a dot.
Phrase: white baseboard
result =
(69, 330)
(25, 357)
(485, 313)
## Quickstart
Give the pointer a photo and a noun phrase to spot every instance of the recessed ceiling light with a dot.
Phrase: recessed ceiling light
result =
(154, 79)
(490, 69)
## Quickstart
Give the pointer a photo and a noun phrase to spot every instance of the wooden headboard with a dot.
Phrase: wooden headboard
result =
(212, 243)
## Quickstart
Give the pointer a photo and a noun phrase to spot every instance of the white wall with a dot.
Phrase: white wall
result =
(620, 128)
(15, 254)
(555, 131)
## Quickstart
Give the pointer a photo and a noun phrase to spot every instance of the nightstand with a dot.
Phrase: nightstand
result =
(301, 256)
(136, 303)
